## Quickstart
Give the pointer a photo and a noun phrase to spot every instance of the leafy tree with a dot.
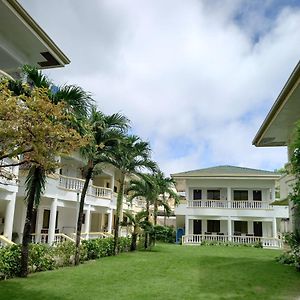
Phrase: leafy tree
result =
(146, 188)
(132, 156)
(137, 221)
(165, 192)
(295, 170)
(43, 125)
(105, 134)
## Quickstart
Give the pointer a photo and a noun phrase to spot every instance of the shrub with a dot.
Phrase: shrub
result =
(10, 258)
(165, 234)
(41, 258)
(292, 256)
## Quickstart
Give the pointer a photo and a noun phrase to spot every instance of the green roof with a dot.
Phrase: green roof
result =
(224, 171)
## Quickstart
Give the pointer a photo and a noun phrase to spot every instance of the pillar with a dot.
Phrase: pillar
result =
(102, 224)
(9, 217)
(275, 228)
(39, 223)
(87, 226)
(273, 193)
(229, 228)
(110, 218)
(53, 211)
(187, 220)
(229, 196)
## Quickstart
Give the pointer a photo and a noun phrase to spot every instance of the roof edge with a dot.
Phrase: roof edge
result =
(38, 30)
(279, 101)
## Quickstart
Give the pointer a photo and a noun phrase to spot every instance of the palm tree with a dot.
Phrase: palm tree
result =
(106, 132)
(147, 189)
(78, 105)
(165, 191)
(132, 156)
(137, 221)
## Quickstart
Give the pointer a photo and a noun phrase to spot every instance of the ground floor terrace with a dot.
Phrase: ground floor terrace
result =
(197, 229)
(177, 272)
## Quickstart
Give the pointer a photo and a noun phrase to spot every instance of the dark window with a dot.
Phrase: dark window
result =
(197, 194)
(83, 219)
(240, 195)
(240, 226)
(213, 194)
(213, 225)
(107, 185)
(46, 218)
(257, 196)
(115, 189)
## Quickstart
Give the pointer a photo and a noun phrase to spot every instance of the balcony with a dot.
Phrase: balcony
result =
(76, 185)
(228, 204)
(266, 242)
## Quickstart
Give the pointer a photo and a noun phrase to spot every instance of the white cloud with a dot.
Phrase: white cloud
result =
(180, 70)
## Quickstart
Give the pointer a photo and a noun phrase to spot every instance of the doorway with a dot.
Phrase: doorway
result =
(257, 228)
(197, 227)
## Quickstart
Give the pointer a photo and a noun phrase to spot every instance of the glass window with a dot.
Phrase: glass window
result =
(257, 196)
(197, 194)
(213, 194)
(240, 195)
(240, 227)
(213, 225)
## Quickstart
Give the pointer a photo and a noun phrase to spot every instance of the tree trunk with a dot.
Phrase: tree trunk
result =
(147, 219)
(133, 241)
(80, 213)
(155, 211)
(27, 229)
(118, 214)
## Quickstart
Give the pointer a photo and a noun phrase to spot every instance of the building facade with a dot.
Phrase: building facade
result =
(229, 204)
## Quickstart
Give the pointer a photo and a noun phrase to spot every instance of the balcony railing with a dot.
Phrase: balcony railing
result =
(43, 238)
(76, 184)
(199, 238)
(228, 204)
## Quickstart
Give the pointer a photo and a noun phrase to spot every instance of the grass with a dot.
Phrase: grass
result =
(167, 272)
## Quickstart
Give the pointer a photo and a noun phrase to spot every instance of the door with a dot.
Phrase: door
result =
(257, 228)
(197, 227)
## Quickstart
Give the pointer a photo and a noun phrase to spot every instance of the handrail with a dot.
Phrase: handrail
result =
(4, 241)
(199, 238)
(228, 204)
(76, 184)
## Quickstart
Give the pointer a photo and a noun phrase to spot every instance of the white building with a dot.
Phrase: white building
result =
(277, 130)
(228, 203)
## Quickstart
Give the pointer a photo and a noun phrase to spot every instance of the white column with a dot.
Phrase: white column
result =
(9, 217)
(102, 224)
(273, 193)
(229, 196)
(51, 232)
(275, 228)
(187, 220)
(110, 218)
(39, 222)
(87, 221)
(229, 229)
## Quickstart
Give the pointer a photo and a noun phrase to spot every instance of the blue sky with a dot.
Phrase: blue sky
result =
(196, 78)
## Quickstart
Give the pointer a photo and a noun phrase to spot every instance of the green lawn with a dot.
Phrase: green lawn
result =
(168, 272)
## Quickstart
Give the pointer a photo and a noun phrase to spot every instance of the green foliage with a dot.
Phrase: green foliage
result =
(292, 256)
(10, 258)
(231, 244)
(97, 248)
(165, 234)
(41, 258)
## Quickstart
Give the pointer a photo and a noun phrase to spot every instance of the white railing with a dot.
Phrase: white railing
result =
(43, 238)
(76, 184)
(228, 204)
(4, 241)
(208, 203)
(100, 192)
(250, 204)
(266, 242)
(93, 235)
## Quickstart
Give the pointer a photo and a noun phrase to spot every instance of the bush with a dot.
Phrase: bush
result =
(41, 258)
(10, 259)
(292, 256)
(165, 234)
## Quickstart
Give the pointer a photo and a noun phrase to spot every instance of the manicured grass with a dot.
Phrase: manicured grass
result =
(167, 272)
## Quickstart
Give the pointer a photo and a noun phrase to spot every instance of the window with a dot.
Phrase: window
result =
(213, 225)
(46, 218)
(240, 227)
(213, 194)
(197, 194)
(257, 196)
(240, 195)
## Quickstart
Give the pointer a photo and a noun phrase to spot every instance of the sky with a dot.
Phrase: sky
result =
(196, 78)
